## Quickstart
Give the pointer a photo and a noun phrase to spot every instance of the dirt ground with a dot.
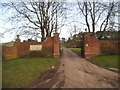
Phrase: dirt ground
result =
(76, 72)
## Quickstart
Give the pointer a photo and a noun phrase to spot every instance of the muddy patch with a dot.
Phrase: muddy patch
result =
(46, 80)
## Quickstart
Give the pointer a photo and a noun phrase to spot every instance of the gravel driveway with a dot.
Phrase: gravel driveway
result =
(80, 73)
(76, 72)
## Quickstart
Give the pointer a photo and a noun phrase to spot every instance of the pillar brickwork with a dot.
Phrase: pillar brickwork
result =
(56, 44)
(91, 46)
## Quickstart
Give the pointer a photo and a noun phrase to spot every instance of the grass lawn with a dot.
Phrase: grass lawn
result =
(110, 61)
(18, 72)
(76, 50)
(63, 45)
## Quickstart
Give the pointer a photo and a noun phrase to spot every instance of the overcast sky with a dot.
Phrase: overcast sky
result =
(74, 19)
(64, 31)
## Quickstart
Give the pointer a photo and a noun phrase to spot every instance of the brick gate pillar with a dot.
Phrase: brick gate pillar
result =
(56, 44)
(91, 46)
(17, 44)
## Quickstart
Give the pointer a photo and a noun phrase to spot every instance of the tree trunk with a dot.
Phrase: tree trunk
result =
(42, 34)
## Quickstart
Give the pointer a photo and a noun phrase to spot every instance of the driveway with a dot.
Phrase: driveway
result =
(80, 73)
(76, 72)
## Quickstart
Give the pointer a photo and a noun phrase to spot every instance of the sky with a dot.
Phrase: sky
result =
(74, 19)
(64, 31)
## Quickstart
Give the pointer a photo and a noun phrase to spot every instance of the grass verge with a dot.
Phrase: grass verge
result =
(76, 50)
(110, 61)
(19, 72)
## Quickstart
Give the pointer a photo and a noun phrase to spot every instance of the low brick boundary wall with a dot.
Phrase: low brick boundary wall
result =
(49, 47)
(9, 52)
(93, 47)
(109, 47)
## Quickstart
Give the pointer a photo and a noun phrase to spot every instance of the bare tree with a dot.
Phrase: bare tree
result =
(35, 18)
(96, 14)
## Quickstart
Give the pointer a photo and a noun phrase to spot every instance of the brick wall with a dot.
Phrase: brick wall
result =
(93, 47)
(9, 52)
(109, 47)
(50, 47)
(56, 45)
(47, 48)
